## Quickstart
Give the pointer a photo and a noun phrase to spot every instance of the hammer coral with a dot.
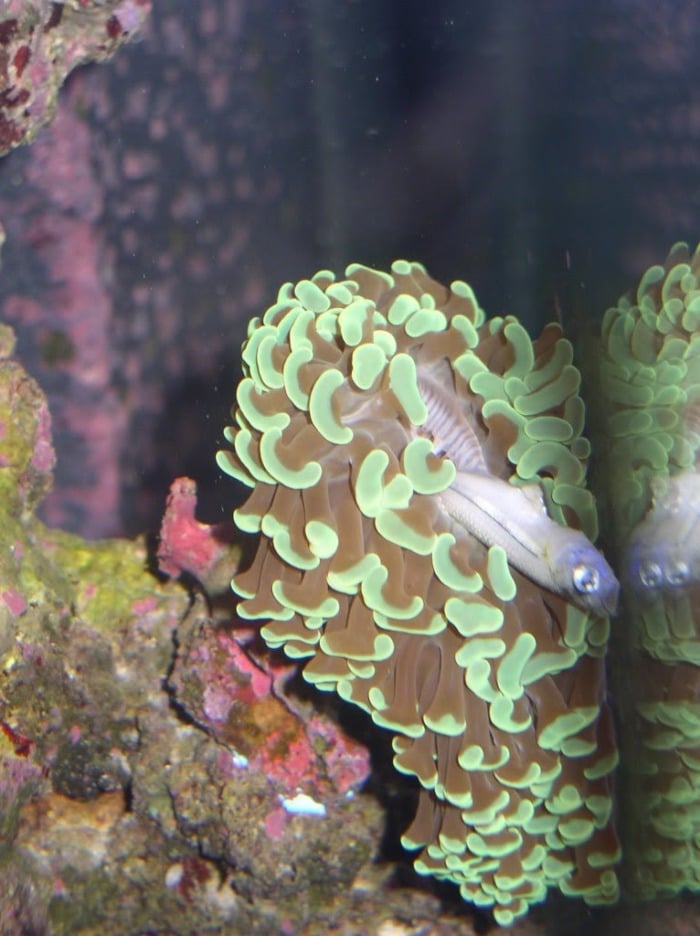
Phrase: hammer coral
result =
(426, 546)
(649, 379)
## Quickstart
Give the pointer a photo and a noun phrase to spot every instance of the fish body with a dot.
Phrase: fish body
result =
(559, 558)
(498, 513)
(663, 552)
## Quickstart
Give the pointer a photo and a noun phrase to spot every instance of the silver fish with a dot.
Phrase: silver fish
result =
(663, 551)
(558, 558)
(498, 513)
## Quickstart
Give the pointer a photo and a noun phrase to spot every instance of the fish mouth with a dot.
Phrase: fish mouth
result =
(610, 600)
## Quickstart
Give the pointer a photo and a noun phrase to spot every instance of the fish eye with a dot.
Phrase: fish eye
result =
(585, 578)
(677, 573)
(651, 574)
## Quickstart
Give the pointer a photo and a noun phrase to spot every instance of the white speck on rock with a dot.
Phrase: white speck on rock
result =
(303, 805)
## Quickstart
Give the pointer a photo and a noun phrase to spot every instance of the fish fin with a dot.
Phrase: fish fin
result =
(448, 422)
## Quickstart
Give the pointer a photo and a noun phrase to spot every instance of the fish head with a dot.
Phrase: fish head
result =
(587, 580)
(653, 566)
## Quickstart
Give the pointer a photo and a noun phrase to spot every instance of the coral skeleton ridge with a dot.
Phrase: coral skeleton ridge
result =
(418, 487)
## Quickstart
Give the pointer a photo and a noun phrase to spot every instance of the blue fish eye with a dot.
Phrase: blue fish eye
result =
(585, 578)
(651, 574)
(677, 573)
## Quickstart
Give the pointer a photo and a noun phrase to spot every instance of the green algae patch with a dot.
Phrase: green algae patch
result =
(26, 454)
(110, 579)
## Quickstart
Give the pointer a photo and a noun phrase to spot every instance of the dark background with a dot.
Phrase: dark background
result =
(547, 152)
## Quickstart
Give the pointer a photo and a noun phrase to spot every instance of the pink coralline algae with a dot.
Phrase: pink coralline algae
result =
(68, 322)
(345, 761)
(41, 42)
(136, 729)
(44, 457)
(234, 697)
(186, 545)
(231, 691)
(14, 601)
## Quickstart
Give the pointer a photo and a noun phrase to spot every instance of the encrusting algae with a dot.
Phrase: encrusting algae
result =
(387, 429)
(150, 778)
